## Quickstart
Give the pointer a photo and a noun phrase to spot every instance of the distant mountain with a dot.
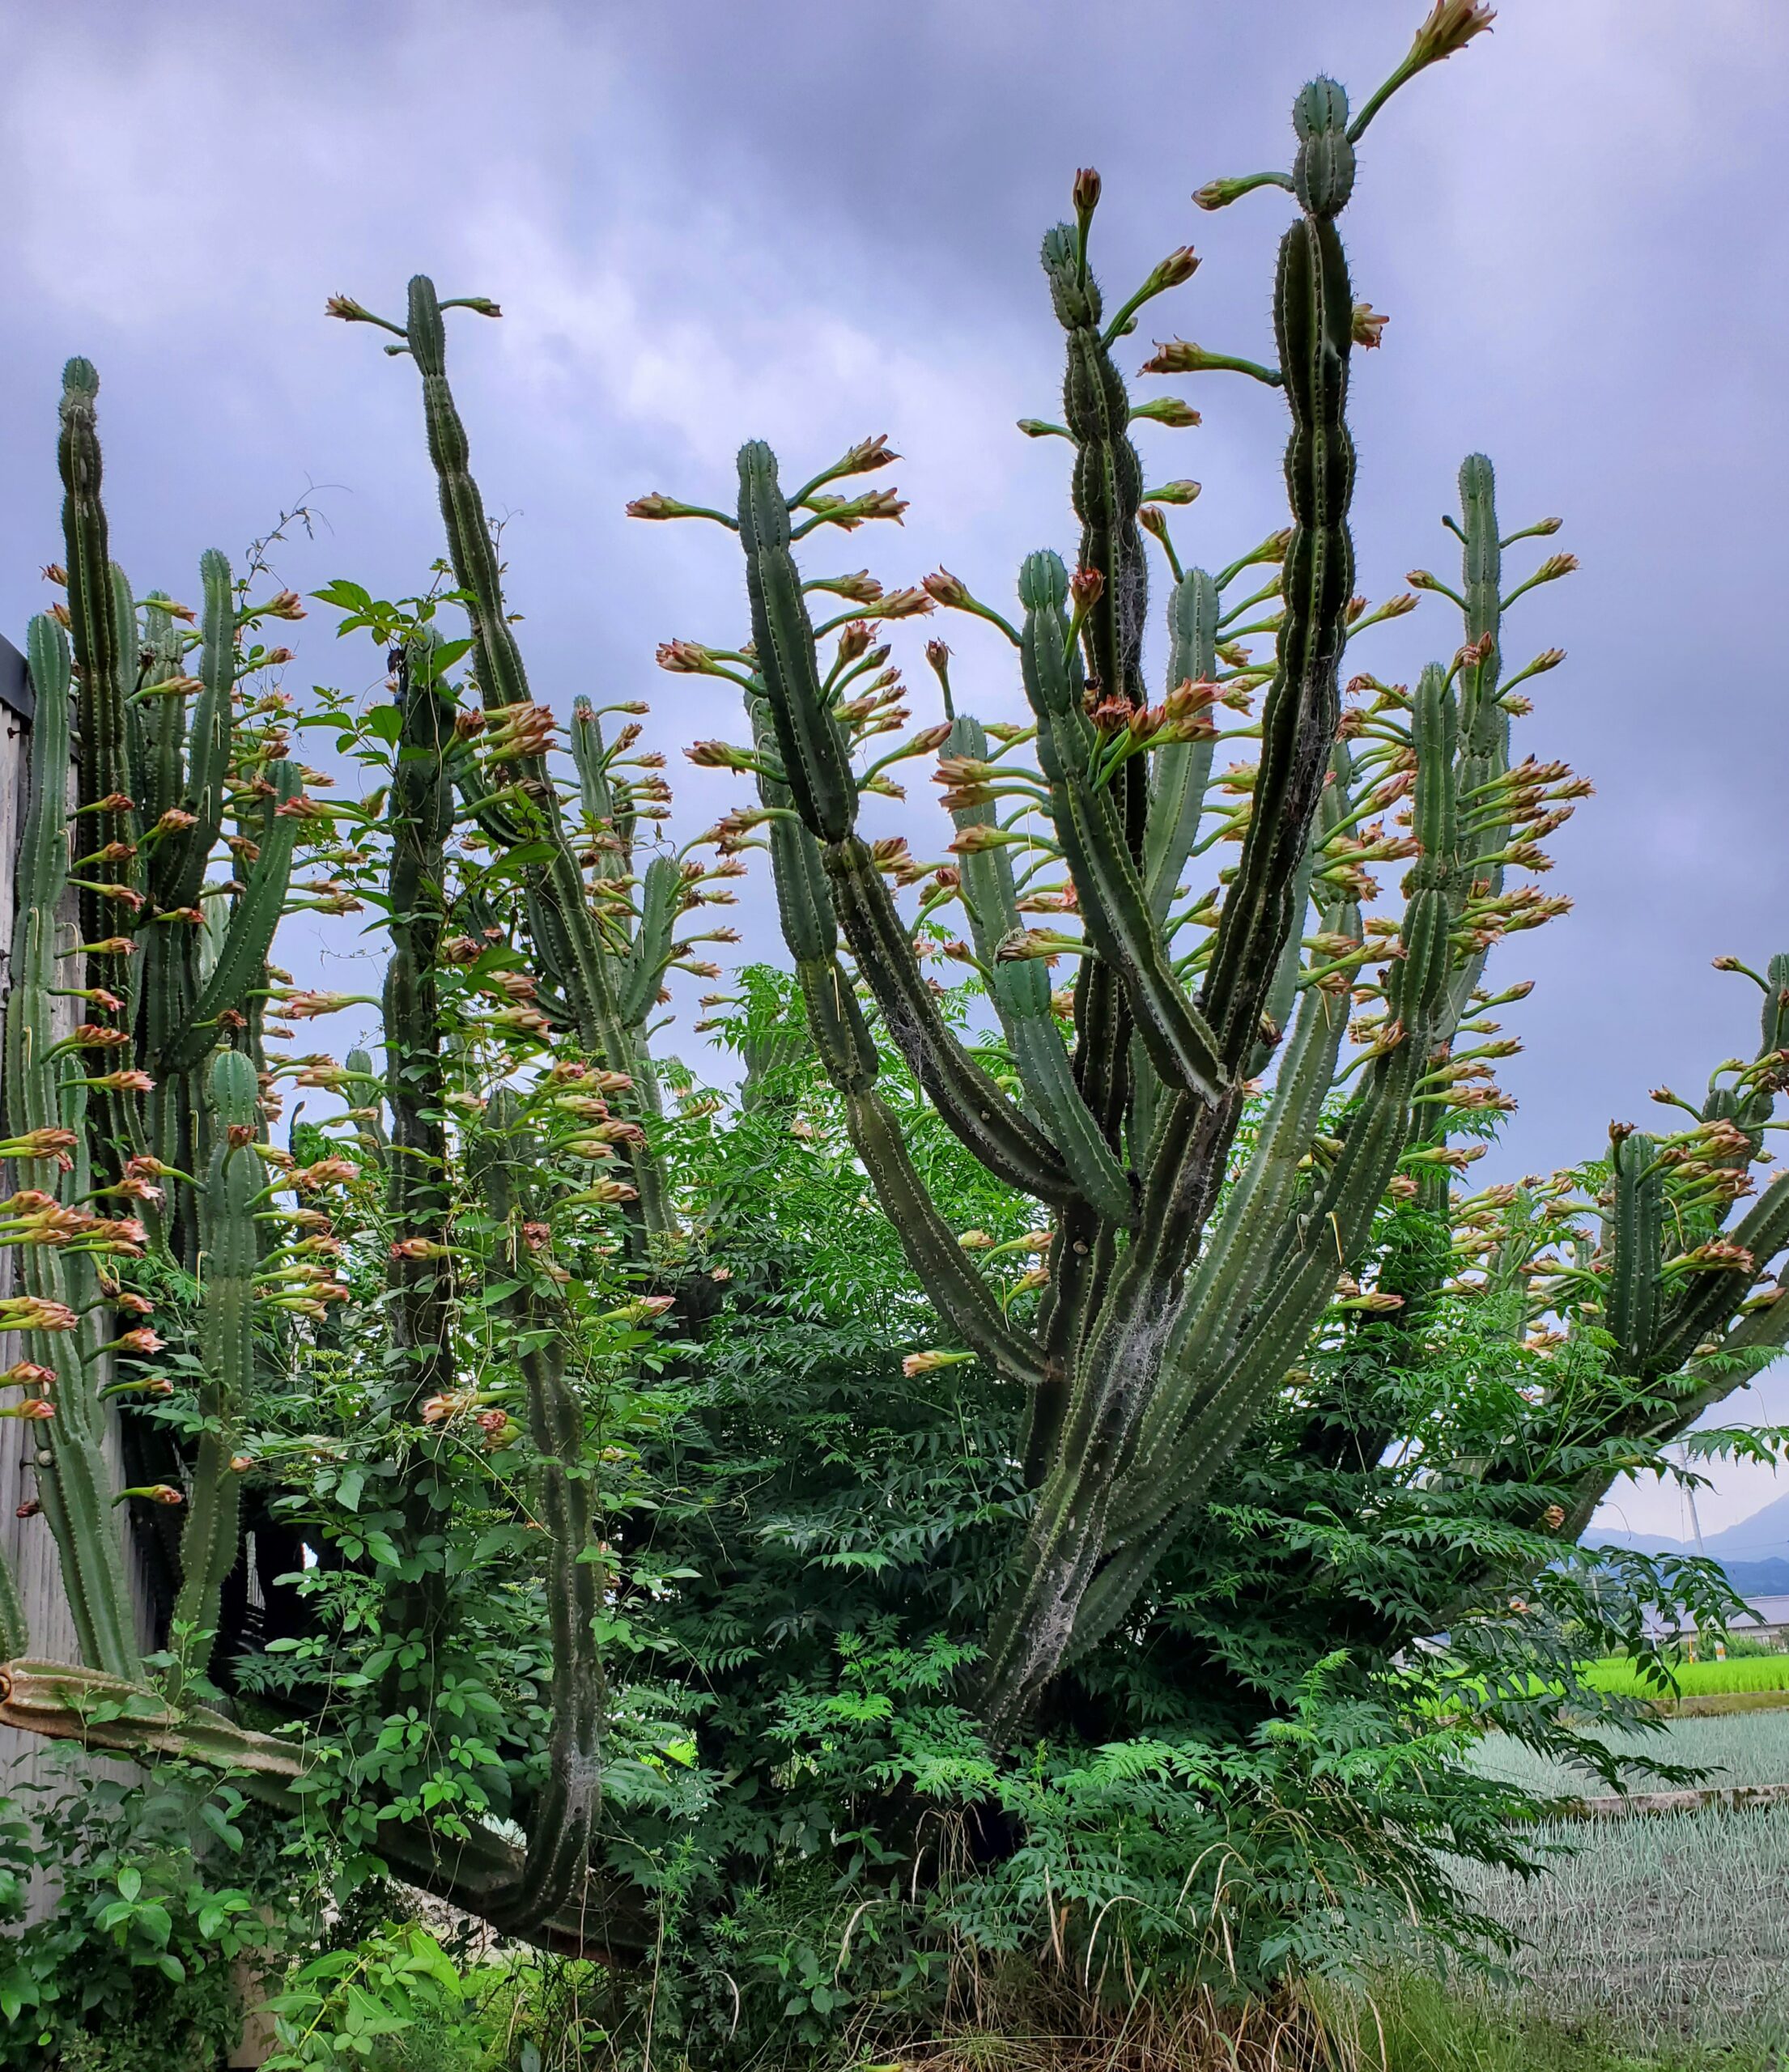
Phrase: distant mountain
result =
(1760, 1540)
(1757, 1579)
(1755, 1552)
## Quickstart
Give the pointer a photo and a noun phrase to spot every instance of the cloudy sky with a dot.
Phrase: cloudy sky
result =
(707, 222)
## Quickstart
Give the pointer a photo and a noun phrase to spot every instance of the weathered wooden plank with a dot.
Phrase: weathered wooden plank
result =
(1628, 1805)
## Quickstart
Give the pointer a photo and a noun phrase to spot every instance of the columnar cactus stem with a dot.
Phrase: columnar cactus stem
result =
(418, 1198)
(73, 1483)
(562, 1821)
(819, 779)
(1313, 310)
(565, 931)
(230, 1251)
(101, 658)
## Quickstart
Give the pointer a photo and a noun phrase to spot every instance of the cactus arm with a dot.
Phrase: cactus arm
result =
(1107, 485)
(1113, 903)
(1313, 314)
(564, 928)
(163, 744)
(962, 1297)
(815, 754)
(1635, 1228)
(1183, 768)
(562, 1820)
(973, 1107)
(1713, 1297)
(98, 664)
(810, 930)
(247, 937)
(1483, 724)
(417, 1197)
(1021, 991)
(179, 862)
(643, 968)
(812, 753)
(502, 678)
(369, 1092)
(231, 1252)
(73, 1483)
(1752, 1343)
(849, 1057)
(60, 1702)
(14, 1626)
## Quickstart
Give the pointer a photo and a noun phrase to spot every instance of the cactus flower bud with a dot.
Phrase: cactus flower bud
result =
(1219, 193)
(1173, 411)
(916, 1364)
(1085, 587)
(1085, 193)
(1450, 25)
(1366, 324)
(943, 588)
(419, 1248)
(1179, 266)
(31, 1312)
(1179, 356)
(1182, 491)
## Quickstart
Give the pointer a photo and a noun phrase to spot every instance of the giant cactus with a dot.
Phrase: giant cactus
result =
(1185, 1280)
(1234, 1179)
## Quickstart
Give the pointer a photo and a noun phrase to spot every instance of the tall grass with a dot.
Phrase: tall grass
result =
(1412, 2022)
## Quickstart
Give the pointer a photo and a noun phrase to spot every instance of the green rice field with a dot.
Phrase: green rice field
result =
(1754, 1672)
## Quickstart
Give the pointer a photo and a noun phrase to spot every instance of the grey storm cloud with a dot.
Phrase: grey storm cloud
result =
(708, 222)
